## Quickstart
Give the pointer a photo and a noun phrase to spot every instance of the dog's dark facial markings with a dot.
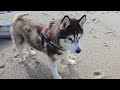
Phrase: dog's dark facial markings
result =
(73, 28)
(68, 28)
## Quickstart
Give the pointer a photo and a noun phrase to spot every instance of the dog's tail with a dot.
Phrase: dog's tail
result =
(18, 16)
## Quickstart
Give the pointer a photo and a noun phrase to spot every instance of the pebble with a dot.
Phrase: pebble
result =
(98, 75)
(106, 46)
(2, 66)
(37, 62)
(95, 37)
(93, 19)
(16, 56)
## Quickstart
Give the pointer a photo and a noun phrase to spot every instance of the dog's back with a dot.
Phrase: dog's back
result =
(19, 16)
(24, 30)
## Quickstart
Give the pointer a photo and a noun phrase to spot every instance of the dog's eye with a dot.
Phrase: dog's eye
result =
(70, 39)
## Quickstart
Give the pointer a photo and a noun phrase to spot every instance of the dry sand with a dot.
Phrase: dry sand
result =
(100, 49)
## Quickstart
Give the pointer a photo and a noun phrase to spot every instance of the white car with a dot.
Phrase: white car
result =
(5, 29)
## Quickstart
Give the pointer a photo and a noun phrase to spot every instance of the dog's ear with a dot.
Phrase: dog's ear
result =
(65, 22)
(82, 20)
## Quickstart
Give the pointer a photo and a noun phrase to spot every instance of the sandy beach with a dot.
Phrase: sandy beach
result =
(100, 49)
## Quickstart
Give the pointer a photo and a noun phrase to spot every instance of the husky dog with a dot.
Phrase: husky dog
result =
(64, 34)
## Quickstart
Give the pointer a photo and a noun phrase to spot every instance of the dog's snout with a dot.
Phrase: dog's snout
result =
(78, 50)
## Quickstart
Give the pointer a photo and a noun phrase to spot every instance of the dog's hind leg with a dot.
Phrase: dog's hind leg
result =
(69, 61)
(19, 43)
(54, 69)
(30, 50)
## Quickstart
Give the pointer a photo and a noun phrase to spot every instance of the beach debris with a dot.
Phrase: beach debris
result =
(44, 13)
(98, 75)
(117, 12)
(16, 56)
(110, 33)
(94, 19)
(95, 37)
(14, 49)
(106, 45)
(2, 65)
(37, 62)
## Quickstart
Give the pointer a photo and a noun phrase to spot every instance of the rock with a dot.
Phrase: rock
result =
(97, 73)
(14, 50)
(106, 46)
(16, 56)
(37, 62)
(95, 37)
(45, 13)
(117, 12)
(110, 33)
(2, 65)
(93, 19)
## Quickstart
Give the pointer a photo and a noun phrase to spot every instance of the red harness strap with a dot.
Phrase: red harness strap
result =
(45, 28)
(44, 37)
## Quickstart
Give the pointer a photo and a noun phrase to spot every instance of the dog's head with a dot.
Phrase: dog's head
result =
(70, 32)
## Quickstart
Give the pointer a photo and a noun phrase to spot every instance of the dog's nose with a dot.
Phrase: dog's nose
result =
(78, 50)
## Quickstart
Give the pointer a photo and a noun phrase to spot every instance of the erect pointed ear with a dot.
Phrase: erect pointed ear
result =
(65, 22)
(82, 20)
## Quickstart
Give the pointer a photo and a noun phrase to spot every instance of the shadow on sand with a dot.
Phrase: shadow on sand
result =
(42, 71)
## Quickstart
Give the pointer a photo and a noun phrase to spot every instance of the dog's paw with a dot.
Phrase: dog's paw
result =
(72, 62)
(33, 53)
(57, 77)
(22, 60)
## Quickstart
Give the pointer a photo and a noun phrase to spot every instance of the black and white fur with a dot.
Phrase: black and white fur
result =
(65, 33)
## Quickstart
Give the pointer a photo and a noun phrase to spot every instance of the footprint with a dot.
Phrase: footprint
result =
(90, 32)
(106, 45)
(95, 37)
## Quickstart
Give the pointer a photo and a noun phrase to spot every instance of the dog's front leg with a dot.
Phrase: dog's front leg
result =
(69, 61)
(54, 69)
